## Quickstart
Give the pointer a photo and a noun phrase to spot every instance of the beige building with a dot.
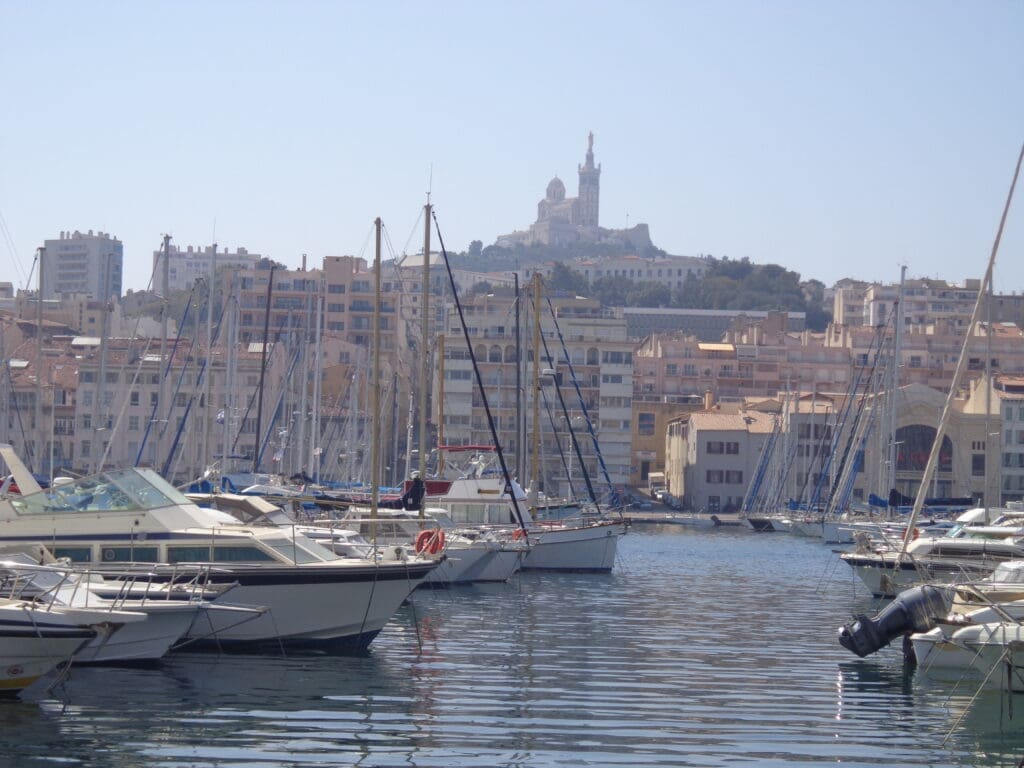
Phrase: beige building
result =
(711, 457)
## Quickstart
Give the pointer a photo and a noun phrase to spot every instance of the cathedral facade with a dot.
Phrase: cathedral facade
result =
(565, 220)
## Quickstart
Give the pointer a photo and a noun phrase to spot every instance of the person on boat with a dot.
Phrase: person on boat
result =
(411, 499)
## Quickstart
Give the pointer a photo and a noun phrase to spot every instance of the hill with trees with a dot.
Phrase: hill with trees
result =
(726, 283)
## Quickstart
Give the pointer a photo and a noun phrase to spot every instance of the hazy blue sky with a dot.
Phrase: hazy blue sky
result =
(835, 138)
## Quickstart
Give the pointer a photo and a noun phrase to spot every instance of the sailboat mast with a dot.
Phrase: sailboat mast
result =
(534, 458)
(314, 437)
(894, 382)
(162, 396)
(519, 383)
(424, 349)
(440, 405)
(37, 451)
(961, 364)
(208, 409)
(263, 374)
(375, 391)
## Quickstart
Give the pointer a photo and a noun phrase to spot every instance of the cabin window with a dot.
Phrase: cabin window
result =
(188, 554)
(74, 554)
(129, 554)
(302, 550)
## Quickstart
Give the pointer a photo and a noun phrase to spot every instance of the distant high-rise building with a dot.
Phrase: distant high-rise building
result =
(83, 263)
(186, 265)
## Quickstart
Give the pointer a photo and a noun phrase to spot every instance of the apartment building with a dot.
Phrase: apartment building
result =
(186, 265)
(599, 364)
(86, 263)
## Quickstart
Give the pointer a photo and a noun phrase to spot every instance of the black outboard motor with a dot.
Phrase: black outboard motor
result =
(913, 610)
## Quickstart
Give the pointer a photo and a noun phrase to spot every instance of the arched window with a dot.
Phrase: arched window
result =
(510, 354)
(914, 444)
(592, 356)
(494, 356)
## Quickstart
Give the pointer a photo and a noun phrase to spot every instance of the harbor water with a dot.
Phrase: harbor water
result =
(702, 648)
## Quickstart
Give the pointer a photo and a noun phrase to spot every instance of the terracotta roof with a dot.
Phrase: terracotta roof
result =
(749, 421)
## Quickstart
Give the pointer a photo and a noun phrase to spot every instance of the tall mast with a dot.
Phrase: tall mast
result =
(520, 432)
(263, 374)
(894, 382)
(940, 431)
(37, 452)
(165, 280)
(229, 375)
(314, 437)
(439, 401)
(424, 350)
(375, 391)
(208, 410)
(534, 458)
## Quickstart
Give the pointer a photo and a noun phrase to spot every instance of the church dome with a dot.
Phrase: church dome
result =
(556, 190)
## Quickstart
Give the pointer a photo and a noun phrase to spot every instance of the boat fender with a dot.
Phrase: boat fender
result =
(913, 610)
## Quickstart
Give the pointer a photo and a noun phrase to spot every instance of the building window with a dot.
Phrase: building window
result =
(734, 476)
(645, 424)
(134, 398)
(733, 448)
(716, 446)
(714, 476)
(978, 464)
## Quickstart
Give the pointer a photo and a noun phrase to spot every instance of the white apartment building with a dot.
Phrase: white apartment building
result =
(185, 266)
(601, 363)
(89, 263)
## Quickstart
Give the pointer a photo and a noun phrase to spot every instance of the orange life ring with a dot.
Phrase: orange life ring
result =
(430, 541)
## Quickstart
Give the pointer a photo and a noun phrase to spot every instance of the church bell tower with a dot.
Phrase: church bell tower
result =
(590, 188)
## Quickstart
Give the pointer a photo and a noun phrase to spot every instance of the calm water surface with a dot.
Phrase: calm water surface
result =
(704, 648)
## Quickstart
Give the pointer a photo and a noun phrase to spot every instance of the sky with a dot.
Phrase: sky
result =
(835, 139)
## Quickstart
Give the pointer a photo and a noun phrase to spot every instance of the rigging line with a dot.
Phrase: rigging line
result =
(568, 420)
(255, 393)
(616, 502)
(416, 228)
(278, 405)
(940, 431)
(200, 377)
(479, 378)
(841, 421)
(165, 371)
(193, 342)
(558, 441)
(16, 259)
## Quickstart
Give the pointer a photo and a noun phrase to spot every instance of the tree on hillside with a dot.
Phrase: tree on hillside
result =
(565, 279)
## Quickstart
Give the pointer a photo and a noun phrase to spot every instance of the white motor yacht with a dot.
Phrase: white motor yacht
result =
(132, 517)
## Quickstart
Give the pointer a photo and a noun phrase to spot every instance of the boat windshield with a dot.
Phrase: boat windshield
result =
(136, 489)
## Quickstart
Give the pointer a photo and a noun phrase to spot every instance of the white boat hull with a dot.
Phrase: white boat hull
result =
(336, 605)
(587, 548)
(166, 622)
(28, 653)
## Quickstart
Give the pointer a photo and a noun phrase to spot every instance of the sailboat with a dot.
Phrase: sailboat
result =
(924, 558)
(482, 496)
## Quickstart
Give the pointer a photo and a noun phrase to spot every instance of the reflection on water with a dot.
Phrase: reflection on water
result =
(702, 648)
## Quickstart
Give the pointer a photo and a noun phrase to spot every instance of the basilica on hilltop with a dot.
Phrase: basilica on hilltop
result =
(565, 220)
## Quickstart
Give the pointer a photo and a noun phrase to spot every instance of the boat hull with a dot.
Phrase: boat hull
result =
(585, 549)
(335, 606)
(27, 655)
